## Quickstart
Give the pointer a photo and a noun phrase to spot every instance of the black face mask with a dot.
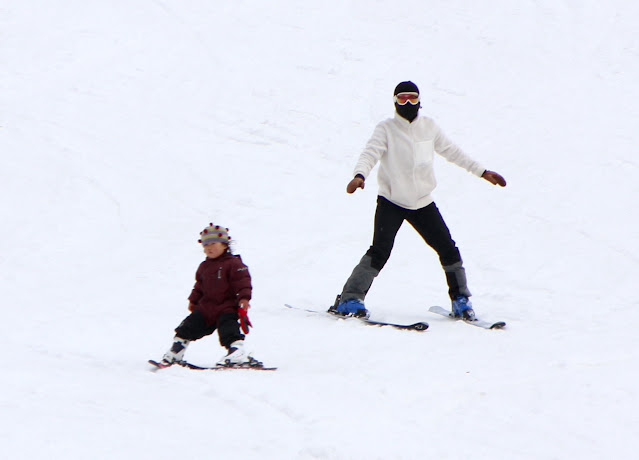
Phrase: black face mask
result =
(408, 110)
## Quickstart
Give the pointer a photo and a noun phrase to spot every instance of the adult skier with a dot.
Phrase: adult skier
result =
(405, 146)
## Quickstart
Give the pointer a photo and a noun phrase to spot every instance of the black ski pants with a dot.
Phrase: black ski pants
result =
(427, 221)
(430, 225)
(194, 327)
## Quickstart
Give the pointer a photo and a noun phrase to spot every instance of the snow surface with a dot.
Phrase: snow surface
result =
(126, 127)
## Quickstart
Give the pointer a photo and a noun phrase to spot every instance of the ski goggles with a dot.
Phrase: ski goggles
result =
(404, 98)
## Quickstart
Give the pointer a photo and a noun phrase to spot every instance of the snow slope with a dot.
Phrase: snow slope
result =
(126, 127)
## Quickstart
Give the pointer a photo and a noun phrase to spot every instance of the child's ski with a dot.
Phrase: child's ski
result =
(157, 365)
(477, 322)
(246, 366)
(421, 326)
(252, 364)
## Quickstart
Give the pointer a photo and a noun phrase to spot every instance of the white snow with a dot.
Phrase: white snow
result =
(126, 127)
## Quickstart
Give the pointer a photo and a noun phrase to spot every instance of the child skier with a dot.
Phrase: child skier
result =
(221, 296)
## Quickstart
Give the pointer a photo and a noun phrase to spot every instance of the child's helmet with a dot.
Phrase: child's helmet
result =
(214, 234)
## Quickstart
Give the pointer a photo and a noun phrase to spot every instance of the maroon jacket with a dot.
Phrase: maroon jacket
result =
(219, 286)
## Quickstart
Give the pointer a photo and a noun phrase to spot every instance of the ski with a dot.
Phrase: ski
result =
(228, 368)
(477, 322)
(252, 364)
(421, 326)
(157, 365)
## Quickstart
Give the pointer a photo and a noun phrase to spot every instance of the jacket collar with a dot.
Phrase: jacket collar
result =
(403, 121)
(226, 255)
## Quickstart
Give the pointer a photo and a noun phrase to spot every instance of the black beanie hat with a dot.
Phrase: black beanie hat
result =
(406, 87)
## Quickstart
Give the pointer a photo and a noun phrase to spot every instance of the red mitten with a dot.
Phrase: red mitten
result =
(245, 322)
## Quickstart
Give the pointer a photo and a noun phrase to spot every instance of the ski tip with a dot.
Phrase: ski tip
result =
(155, 366)
(498, 325)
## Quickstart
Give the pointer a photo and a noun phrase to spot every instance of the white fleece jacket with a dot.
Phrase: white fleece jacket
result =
(405, 152)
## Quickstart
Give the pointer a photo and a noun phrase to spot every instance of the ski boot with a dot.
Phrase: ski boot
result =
(462, 308)
(236, 355)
